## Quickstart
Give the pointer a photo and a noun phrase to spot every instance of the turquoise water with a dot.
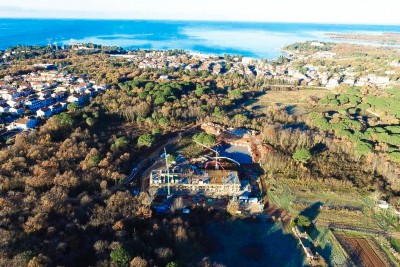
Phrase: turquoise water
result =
(260, 40)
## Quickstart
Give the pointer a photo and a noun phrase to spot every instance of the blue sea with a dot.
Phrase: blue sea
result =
(258, 40)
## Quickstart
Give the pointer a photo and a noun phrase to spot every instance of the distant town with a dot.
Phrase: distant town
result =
(41, 94)
(49, 90)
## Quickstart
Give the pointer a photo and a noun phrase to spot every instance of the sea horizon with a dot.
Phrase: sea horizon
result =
(249, 39)
(205, 20)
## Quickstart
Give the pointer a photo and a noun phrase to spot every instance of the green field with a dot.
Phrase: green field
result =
(335, 203)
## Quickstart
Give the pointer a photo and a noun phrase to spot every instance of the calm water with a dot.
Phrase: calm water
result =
(255, 243)
(261, 40)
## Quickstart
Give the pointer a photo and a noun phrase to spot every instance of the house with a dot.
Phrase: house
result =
(33, 103)
(379, 80)
(164, 77)
(332, 83)
(42, 94)
(58, 96)
(100, 87)
(10, 94)
(25, 123)
(349, 81)
(17, 110)
(4, 108)
(60, 88)
(16, 101)
(26, 91)
(76, 98)
(37, 85)
(47, 101)
(80, 88)
(80, 80)
(24, 85)
(58, 107)
(383, 204)
(44, 112)
(91, 91)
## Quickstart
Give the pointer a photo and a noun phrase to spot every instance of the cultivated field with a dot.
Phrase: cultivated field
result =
(363, 251)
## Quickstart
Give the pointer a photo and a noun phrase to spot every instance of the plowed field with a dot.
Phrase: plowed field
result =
(362, 252)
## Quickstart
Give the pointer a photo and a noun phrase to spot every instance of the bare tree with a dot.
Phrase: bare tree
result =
(177, 204)
(152, 193)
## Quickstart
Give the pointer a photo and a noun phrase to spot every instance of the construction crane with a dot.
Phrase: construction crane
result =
(166, 163)
(209, 148)
(217, 156)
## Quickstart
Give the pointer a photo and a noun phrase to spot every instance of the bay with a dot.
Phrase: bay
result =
(258, 40)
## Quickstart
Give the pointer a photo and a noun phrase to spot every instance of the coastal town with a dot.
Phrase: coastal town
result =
(292, 68)
(26, 99)
(48, 91)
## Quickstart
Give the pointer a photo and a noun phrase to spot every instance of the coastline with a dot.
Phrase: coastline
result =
(258, 40)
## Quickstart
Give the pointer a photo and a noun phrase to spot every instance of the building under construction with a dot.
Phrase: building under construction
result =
(193, 180)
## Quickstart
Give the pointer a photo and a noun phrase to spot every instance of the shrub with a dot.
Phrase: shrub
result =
(362, 148)
(205, 139)
(120, 143)
(303, 221)
(120, 256)
(73, 107)
(146, 140)
(302, 155)
(395, 156)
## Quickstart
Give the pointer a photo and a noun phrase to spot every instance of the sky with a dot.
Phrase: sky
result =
(318, 11)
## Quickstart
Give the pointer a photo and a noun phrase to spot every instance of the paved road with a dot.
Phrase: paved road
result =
(144, 173)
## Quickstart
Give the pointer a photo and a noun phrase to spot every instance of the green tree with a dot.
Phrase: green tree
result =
(199, 90)
(395, 156)
(64, 119)
(146, 140)
(94, 160)
(120, 143)
(205, 139)
(362, 148)
(90, 121)
(164, 122)
(73, 107)
(217, 112)
(235, 94)
(303, 221)
(160, 100)
(172, 264)
(171, 158)
(120, 256)
(156, 132)
(302, 155)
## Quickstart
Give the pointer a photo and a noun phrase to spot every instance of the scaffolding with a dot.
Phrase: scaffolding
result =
(221, 182)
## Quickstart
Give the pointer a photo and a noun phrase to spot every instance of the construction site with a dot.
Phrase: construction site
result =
(226, 170)
(205, 175)
(202, 182)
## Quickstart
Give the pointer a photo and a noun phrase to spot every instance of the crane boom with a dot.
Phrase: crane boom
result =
(216, 153)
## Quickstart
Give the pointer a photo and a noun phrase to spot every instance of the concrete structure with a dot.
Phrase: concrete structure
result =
(219, 182)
